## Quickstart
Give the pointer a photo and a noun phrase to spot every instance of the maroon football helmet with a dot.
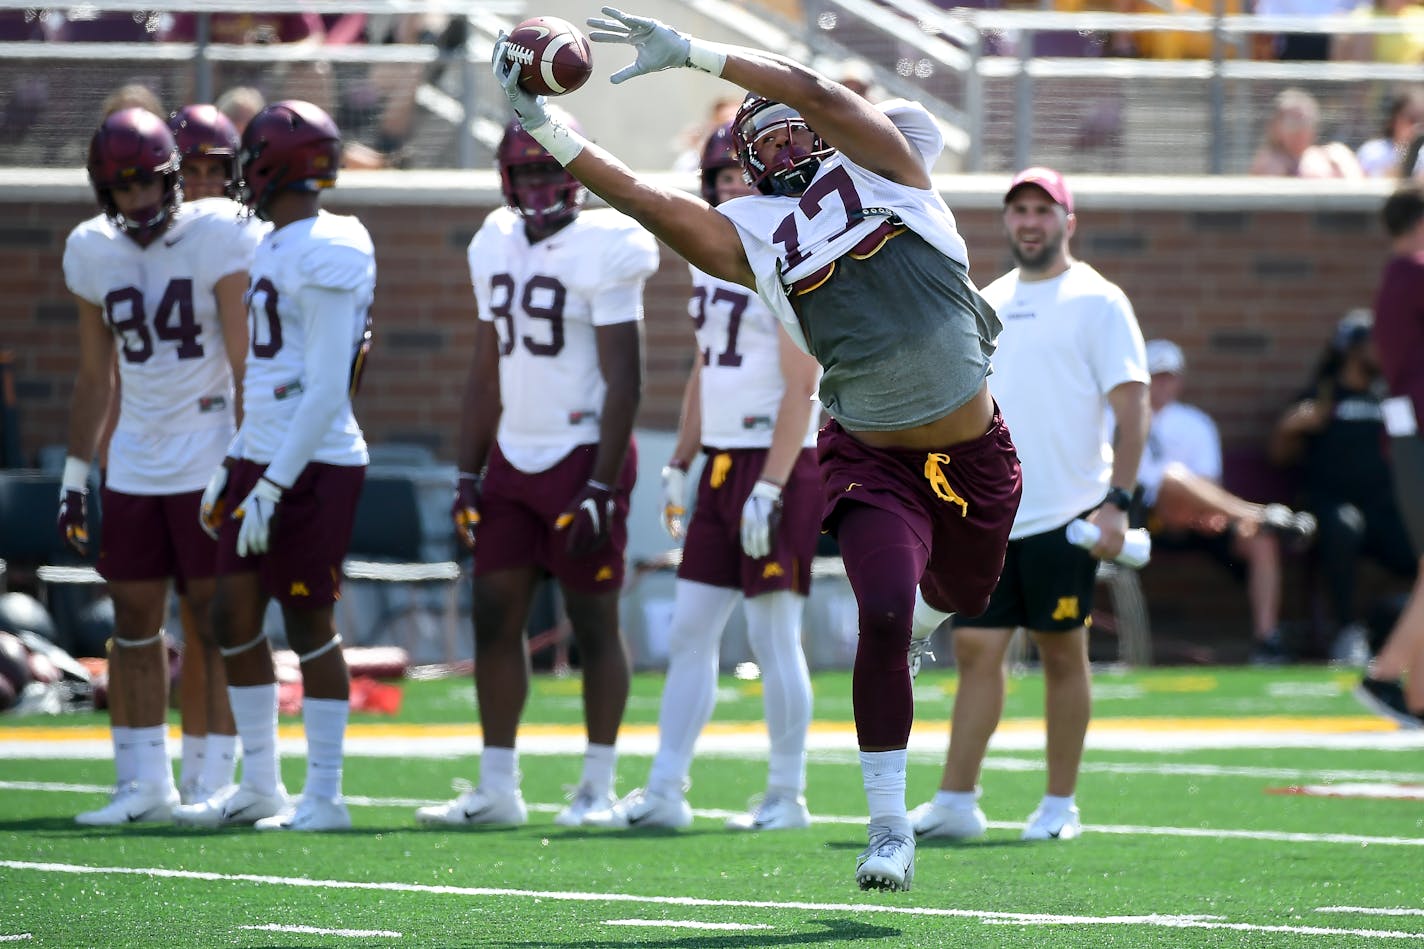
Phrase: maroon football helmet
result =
(791, 169)
(203, 132)
(291, 145)
(548, 203)
(134, 145)
(719, 152)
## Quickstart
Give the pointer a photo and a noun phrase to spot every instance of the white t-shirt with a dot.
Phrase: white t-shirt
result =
(741, 382)
(1181, 434)
(330, 251)
(788, 238)
(545, 300)
(176, 407)
(1066, 343)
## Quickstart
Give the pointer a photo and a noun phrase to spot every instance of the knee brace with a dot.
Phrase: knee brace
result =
(228, 652)
(138, 643)
(321, 650)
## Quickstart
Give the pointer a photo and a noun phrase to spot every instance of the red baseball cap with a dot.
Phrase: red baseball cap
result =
(1047, 179)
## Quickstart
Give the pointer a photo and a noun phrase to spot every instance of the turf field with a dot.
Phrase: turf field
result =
(1224, 807)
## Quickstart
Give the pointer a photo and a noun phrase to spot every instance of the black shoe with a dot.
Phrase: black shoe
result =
(1387, 699)
(1270, 651)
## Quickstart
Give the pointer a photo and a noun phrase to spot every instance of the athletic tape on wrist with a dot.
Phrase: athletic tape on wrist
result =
(708, 57)
(559, 140)
(76, 474)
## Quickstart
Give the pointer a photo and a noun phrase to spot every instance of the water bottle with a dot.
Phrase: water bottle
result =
(1136, 545)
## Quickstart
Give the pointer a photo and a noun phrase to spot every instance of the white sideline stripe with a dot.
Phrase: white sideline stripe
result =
(17, 937)
(1135, 830)
(682, 924)
(318, 931)
(1153, 919)
(1372, 910)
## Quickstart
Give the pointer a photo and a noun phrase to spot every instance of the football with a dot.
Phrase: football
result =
(553, 55)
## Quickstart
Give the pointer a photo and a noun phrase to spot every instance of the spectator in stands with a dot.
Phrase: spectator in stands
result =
(1404, 48)
(1335, 434)
(240, 104)
(1071, 347)
(1383, 157)
(1298, 46)
(309, 80)
(1188, 509)
(132, 95)
(1399, 335)
(1289, 146)
(84, 23)
(25, 101)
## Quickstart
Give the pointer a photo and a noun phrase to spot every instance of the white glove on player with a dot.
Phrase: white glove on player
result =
(529, 108)
(674, 500)
(210, 514)
(257, 512)
(761, 516)
(659, 46)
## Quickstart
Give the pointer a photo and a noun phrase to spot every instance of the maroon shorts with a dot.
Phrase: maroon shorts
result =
(154, 537)
(960, 501)
(309, 534)
(713, 551)
(518, 511)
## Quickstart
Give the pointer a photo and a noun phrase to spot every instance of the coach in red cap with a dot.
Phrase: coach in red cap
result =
(1070, 348)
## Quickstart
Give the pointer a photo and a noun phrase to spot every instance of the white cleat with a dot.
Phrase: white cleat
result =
(888, 863)
(919, 650)
(774, 812)
(133, 803)
(954, 823)
(233, 805)
(585, 801)
(640, 808)
(310, 814)
(1059, 825)
(477, 806)
(195, 792)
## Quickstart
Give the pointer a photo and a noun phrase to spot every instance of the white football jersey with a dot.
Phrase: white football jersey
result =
(176, 401)
(545, 300)
(742, 385)
(329, 250)
(789, 238)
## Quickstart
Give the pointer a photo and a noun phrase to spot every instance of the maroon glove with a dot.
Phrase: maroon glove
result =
(466, 508)
(588, 520)
(74, 521)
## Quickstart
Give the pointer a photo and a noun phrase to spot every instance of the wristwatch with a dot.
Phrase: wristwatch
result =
(1119, 498)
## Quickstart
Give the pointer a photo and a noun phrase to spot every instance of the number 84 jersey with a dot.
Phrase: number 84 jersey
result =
(158, 301)
(545, 300)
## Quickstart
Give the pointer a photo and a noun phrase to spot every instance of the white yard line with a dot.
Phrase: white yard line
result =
(986, 916)
(17, 937)
(1373, 910)
(318, 931)
(682, 924)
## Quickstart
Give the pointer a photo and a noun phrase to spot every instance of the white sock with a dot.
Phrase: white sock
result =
(957, 800)
(700, 612)
(325, 723)
(499, 769)
(125, 755)
(925, 619)
(1053, 804)
(884, 775)
(254, 709)
(774, 632)
(194, 748)
(600, 763)
(151, 753)
(220, 763)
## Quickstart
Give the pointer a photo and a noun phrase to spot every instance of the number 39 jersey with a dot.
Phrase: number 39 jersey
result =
(545, 300)
(175, 379)
(786, 239)
(742, 385)
(331, 251)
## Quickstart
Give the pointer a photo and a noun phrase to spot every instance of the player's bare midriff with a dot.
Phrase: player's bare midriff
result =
(965, 423)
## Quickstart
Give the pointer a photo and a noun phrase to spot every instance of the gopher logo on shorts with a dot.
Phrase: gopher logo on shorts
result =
(604, 573)
(771, 570)
(1067, 608)
(934, 474)
(298, 588)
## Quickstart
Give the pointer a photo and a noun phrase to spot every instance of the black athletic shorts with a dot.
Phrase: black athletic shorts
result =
(1047, 586)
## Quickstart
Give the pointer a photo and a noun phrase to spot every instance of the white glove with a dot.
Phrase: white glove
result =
(659, 46)
(529, 108)
(210, 514)
(761, 515)
(257, 512)
(674, 500)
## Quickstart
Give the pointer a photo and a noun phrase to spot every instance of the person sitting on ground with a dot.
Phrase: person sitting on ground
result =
(1189, 509)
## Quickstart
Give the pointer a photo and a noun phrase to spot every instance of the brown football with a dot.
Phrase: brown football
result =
(553, 55)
